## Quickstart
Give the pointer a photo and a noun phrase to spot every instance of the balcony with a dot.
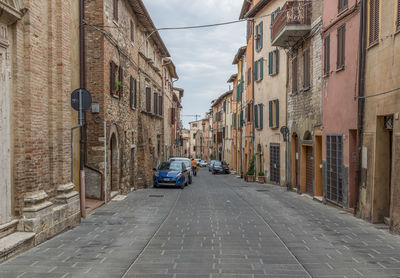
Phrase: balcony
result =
(292, 23)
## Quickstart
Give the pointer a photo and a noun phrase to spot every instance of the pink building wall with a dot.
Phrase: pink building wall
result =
(340, 90)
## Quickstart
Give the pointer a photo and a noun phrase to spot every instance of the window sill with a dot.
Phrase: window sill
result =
(340, 69)
(326, 75)
(258, 81)
(132, 43)
(115, 96)
(371, 45)
(342, 11)
(115, 22)
(306, 89)
(397, 31)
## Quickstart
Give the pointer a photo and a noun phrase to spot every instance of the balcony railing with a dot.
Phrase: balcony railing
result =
(294, 14)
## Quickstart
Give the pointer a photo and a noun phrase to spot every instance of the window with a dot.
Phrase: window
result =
(342, 5)
(273, 63)
(327, 53)
(249, 75)
(373, 21)
(258, 116)
(274, 114)
(259, 36)
(341, 40)
(172, 113)
(115, 10)
(160, 105)
(306, 69)
(148, 99)
(259, 70)
(155, 103)
(133, 93)
(294, 75)
(249, 29)
(116, 80)
(132, 32)
(249, 112)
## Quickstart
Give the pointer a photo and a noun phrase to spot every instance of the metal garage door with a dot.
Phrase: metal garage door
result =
(334, 159)
(274, 162)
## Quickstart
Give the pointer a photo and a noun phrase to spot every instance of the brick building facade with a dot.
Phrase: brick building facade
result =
(37, 44)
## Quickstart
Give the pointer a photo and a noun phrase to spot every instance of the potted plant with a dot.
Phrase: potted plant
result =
(261, 177)
(118, 86)
(250, 171)
(241, 174)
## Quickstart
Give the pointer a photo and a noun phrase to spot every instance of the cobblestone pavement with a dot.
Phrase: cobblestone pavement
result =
(217, 227)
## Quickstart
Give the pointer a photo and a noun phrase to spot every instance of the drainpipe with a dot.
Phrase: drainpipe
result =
(253, 99)
(361, 101)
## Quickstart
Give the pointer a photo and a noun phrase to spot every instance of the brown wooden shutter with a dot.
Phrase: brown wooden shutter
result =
(341, 35)
(376, 21)
(373, 21)
(155, 103)
(327, 54)
(306, 68)
(121, 80)
(135, 93)
(294, 75)
(115, 7)
(148, 99)
(112, 78)
(160, 103)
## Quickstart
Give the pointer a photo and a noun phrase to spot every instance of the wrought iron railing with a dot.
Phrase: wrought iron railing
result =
(292, 13)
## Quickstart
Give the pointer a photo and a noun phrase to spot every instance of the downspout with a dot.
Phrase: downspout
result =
(361, 101)
(253, 104)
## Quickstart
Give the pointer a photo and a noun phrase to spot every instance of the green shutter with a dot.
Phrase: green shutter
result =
(261, 116)
(270, 63)
(233, 121)
(261, 68)
(261, 35)
(255, 116)
(277, 61)
(241, 119)
(257, 30)
(255, 70)
(277, 113)
(270, 115)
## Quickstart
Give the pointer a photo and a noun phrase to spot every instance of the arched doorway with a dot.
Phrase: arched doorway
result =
(259, 162)
(114, 163)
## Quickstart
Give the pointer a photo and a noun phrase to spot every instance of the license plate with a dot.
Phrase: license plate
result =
(166, 179)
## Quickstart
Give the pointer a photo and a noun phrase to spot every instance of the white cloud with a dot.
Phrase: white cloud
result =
(203, 56)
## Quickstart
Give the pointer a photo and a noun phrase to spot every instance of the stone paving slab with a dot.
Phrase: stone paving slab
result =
(218, 227)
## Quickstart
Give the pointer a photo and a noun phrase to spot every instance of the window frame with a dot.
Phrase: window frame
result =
(341, 47)
(132, 33)
(374, 26)
(342, 5)
(294, 76)
(115, 10)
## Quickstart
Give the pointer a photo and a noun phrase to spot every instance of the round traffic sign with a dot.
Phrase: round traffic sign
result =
(81, 95)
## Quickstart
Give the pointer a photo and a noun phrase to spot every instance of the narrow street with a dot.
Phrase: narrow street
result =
(217, 227)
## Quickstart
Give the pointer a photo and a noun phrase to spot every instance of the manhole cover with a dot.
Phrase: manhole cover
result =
(105, 213)
(156, 196)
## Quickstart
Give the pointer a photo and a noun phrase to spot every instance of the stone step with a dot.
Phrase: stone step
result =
(15, 243)
(8, 228)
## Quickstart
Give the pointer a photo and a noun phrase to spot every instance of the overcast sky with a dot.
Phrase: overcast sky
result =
(203, 57)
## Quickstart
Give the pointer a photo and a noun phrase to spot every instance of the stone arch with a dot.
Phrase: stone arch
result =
(114, 164)
(307, 135)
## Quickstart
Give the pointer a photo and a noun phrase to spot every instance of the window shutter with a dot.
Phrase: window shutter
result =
(260, 107)
(160, 98)
(233, 120)
(132, 34)
(270, 61)
(271, 124)
(376, 16)
(294, 75)
(115, 10)
(256, 70)
(112, 78)
(261, 62)
(241, 118)
(277, 60)
(255, 116)
(261, 35)
(148, 99)
(135, 94)
(131, 92)
(277, 113)
(327, 55)
(257, 32)
(120, 79)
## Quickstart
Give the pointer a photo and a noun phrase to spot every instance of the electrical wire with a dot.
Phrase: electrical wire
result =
(379, 94)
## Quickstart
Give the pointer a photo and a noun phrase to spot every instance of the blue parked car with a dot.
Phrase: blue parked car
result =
(210, 166)
(172, 173)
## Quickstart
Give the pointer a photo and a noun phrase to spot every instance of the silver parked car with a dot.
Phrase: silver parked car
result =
(203, 163)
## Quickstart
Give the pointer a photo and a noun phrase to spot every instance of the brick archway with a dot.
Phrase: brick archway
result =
(114, 164)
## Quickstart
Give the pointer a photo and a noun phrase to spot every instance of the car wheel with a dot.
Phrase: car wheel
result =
(190, 180)
(182, 186)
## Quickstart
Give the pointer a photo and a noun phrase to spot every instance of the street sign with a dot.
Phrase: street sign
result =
(82, 97)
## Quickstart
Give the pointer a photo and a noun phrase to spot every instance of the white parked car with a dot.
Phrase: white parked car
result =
(203, 163)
